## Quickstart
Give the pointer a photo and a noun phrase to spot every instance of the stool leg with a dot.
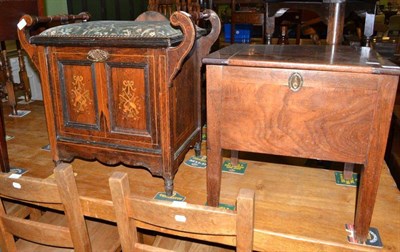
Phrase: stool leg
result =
(234, 157)
(169, 186)
(348, 171)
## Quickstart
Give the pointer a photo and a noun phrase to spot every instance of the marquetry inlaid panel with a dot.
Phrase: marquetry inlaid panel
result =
(77, 91)
(129, 98)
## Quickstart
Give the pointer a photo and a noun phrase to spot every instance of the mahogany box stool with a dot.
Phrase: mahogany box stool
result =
(322, 102)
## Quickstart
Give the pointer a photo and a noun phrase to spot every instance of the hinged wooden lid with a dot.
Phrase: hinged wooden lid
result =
(307, 57)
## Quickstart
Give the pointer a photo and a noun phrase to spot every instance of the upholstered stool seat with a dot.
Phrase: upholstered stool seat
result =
(129, 33)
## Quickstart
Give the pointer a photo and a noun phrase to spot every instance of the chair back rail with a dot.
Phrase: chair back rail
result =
(28, 230)
(191, 218)
(35, 190)
(29, 189)
(181, 216)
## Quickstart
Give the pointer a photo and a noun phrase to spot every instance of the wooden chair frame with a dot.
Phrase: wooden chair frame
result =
(62, 190)
(179, 216)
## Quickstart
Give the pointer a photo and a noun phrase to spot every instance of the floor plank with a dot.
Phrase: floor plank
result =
(297, 208)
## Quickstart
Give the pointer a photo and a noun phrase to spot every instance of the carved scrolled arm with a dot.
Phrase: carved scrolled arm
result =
(210, 39)
(27, 22)
(176, 55)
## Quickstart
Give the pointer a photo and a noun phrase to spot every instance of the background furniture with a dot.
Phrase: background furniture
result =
(293, 110)
(108, 9)
(48, 229)
(182, 218)
(131, 9)
(247, 12)
(394, 26)
(167, 7)
(8, 23)
(380, 26)
(135, 100)
(331, 12)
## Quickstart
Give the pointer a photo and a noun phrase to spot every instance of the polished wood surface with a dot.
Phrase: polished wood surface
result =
(293, 109)
(140, 107)
(297, 208)
(52, 230)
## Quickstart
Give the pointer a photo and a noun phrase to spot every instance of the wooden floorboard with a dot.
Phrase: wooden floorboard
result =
(297, 208)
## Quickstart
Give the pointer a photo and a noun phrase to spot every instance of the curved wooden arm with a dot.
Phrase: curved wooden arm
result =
(23, 36)
(209, 40)
(28, 21)
(176, 55)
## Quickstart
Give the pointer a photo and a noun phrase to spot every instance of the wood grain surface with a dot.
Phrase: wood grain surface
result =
(298, 208)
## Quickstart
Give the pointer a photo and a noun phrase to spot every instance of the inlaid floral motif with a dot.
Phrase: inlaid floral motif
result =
(129, 101)
(80, 95)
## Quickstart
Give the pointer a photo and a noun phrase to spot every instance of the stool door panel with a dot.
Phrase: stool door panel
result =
(75, 95)
(110, 102)
(130, 98)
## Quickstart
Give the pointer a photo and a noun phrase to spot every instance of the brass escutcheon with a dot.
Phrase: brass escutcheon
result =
(295, 82)
(97, 55)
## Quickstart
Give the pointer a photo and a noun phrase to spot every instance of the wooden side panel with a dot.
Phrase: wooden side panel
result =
(328, 118)
(185, 97)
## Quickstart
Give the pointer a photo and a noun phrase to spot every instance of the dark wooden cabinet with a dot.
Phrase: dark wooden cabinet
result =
(123, 98)
(322, 102)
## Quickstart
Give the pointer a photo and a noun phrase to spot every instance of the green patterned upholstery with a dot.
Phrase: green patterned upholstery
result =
(127, 33)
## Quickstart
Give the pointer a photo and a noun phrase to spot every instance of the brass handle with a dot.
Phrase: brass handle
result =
(97, 55)
(295, 82)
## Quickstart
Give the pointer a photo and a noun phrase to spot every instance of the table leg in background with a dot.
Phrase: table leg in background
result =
(4, 163)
